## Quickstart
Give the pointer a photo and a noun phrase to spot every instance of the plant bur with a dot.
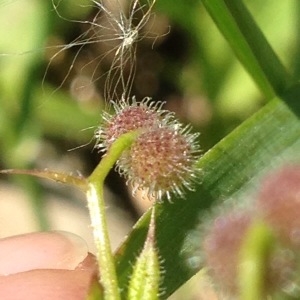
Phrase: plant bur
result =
(129, 117)
(221, 247)
(162, 160)
(279, 203)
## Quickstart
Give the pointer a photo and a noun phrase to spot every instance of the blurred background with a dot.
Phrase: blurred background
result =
(54, 63)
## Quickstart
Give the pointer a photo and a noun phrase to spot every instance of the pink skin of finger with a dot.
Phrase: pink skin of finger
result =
(45, 265)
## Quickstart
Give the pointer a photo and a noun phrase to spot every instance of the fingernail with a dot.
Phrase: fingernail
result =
(42, 250)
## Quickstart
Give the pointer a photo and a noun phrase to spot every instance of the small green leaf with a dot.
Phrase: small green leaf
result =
(145, 278)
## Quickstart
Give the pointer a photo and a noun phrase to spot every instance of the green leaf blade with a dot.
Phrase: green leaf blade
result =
(250, 46)
(230, 170)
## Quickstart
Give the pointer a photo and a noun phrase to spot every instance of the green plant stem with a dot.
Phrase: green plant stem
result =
(96, 207)
(254, 256)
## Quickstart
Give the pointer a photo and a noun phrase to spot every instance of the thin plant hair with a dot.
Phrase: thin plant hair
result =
(116, 28)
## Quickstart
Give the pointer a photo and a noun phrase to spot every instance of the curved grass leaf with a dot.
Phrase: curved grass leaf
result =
(250, 46)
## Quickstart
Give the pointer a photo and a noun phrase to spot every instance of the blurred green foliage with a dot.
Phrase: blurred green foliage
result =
(53, 68)
(41, 96)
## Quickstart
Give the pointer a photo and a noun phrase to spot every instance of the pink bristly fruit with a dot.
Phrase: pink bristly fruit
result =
(279, 203)
(221, 248)
(162, 160)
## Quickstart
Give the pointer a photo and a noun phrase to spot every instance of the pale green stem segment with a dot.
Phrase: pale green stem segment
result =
(252, 268)
(96, 206)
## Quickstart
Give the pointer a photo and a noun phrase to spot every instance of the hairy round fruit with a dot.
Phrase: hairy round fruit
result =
(163, 157)
(162, 160)
(127, 117)
(279, 203)
(221, 247)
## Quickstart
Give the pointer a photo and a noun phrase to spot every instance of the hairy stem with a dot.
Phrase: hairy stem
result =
(96, 207)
